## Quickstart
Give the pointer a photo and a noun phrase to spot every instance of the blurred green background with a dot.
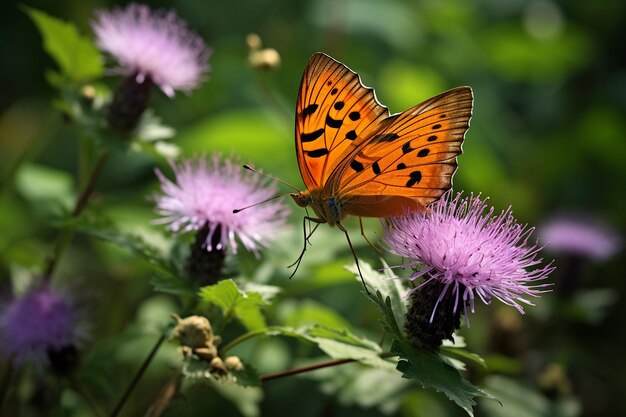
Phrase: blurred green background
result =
(547, 137)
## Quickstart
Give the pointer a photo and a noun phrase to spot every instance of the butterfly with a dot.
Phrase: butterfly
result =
(357, 159)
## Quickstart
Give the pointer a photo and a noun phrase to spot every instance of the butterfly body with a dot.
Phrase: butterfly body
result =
(358, 159)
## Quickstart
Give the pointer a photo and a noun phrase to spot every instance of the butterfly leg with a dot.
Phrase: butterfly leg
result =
(358, 267)
(365, 237)
(306, 239)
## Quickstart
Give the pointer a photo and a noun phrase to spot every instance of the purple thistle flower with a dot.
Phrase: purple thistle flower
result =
(204, 197)
(579, 236)
(39, 322)
(154, 45)
(469, 252)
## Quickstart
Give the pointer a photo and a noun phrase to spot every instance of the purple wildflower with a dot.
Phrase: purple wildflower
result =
(470, 252)
(579, 236)
(204, 197)
(154, 45)
(40, 322)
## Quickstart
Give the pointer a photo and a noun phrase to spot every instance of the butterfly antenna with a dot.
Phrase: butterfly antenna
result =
(235, 211)
(249, 168)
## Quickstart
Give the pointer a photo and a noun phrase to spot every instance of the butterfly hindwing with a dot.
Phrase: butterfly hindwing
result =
(335, 113)
(413, 155)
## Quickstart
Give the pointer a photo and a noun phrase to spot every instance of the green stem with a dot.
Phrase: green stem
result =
(133, 383)
(84, 162)
(241, 339)
(65, 236)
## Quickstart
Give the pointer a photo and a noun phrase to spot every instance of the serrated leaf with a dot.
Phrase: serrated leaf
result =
(337, 344)
(427, 369)
(430, 371)
(387, 283)
(77, 56)
(245, 306)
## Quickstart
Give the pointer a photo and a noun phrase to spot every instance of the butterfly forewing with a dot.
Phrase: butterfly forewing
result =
(413, 155)
(335, 113)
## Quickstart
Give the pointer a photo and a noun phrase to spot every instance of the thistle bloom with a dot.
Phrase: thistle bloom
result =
(37, 324)
(203, 197)
(153, 45)
(470, 252)
(579, 236)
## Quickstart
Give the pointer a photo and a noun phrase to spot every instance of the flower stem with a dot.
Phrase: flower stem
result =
(133, 383)
(310, 368)
(66, 235)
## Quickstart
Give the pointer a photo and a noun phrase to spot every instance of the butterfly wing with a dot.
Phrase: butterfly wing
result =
(335, 113)
(409, 162)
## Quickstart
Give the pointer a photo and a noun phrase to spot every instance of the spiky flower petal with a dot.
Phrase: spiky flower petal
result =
(154, 45)
(471, 251)
(204, 195)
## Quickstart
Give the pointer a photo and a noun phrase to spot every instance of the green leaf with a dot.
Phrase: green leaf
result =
(41, 185)
(364, 387)
(428, 369)
(77, 56)
(387, 283)
(522, 400)
(245, 306)
(337, 344)
(341, 344)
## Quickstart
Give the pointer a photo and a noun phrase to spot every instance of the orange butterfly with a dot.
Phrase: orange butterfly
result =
(358, 159)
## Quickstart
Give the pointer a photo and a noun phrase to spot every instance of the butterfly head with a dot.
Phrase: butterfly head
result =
(302, 199)
(327, 209)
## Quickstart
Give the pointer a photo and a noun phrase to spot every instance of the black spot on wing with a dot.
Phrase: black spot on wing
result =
(355, 115)
(414, 178)
(333, 91)
(401, 166)
(309, 110)
(385, 137)
(338, 105)
(376, 168)
(432, 138)
(356, 165)
(333, 122)
(310, 137)
(436, 126)
(316, 153)
(351, 135)
(406, 148)
(423, 152)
